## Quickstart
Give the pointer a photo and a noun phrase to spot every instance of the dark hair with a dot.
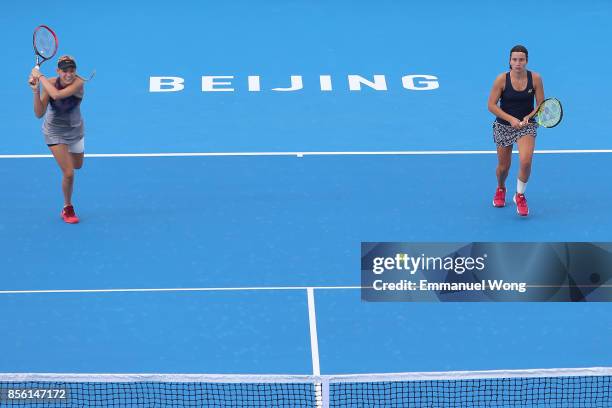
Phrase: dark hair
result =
(519, 48)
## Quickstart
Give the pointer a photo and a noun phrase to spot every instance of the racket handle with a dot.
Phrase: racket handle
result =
(36, 67)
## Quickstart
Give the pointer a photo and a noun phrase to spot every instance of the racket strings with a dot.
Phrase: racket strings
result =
(549, 113)
(45, 43)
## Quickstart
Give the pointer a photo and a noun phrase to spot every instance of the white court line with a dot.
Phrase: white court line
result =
(301, 154)
(314, 342)
(229, 289)
(321, 393)
(23, 292)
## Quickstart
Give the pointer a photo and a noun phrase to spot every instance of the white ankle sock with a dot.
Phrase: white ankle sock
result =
(520, 186)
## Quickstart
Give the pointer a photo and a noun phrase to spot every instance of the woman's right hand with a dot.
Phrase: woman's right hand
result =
(515, 123)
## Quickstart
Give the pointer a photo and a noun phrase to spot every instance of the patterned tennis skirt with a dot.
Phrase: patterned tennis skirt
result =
(505, 135)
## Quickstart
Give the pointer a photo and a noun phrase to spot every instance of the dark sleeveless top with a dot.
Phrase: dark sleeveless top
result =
(515, 103)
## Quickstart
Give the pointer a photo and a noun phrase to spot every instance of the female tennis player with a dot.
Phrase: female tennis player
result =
(63, 125)
(515, 90)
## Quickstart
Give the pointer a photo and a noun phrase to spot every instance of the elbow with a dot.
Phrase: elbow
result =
(493, 107)
(54, 94)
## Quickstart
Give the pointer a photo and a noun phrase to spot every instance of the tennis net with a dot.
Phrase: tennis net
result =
(588, 387)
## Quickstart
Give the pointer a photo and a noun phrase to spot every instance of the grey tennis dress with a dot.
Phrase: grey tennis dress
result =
(63, 122)
(518, 104)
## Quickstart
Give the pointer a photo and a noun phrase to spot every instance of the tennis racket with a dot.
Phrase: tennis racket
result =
(45, 45)
(549, 113)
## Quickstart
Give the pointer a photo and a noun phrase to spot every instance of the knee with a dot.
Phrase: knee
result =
(77, 160)
(504, 167)
(526, 164)
(68, 173)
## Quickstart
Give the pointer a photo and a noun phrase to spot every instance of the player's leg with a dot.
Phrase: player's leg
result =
(504, 138)
(64, 159)
(526, 146)
(504, 159)
(77, 151)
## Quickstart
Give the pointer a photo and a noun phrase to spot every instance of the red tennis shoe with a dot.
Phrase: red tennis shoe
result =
(499, 200)
(521, 205)
(68, 215)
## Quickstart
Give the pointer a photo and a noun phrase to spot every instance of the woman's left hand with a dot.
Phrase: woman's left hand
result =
(33, 83)
(525, 120)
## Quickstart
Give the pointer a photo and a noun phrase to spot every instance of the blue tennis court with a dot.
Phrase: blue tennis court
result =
(237, 154)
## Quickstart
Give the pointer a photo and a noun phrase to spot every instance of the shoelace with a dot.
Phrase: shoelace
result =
(521, 200)
(69, 211)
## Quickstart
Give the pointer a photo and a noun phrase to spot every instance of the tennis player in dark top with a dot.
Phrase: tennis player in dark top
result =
(59, 102)
(515, 91)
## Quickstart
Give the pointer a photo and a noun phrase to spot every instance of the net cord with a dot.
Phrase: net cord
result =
(324, 380)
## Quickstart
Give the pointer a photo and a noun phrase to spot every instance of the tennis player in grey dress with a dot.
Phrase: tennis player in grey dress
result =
(59, 102)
